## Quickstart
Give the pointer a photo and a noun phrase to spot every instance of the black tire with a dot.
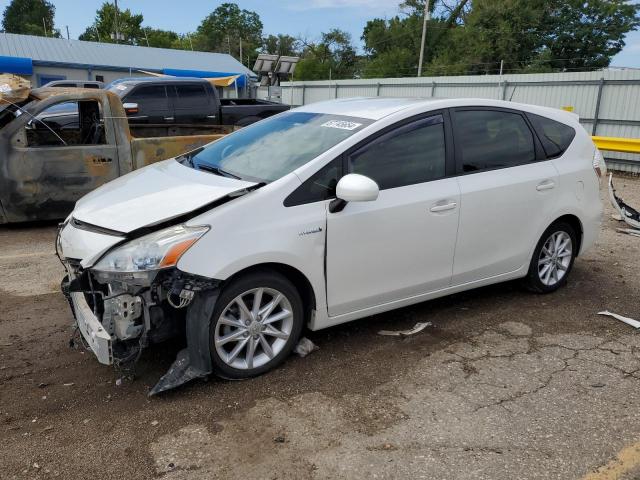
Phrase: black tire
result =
(533, 281)
(258, 279)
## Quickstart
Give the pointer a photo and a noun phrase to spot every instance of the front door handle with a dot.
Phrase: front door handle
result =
(546, 185)
(169, 118)
(443, 207)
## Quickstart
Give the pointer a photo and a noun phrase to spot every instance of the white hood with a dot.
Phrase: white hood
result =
(152, 195)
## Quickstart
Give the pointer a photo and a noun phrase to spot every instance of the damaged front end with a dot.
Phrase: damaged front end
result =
(134, 296)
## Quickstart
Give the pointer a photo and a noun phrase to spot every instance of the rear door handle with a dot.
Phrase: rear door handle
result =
(442, 208)
(546, 185)
(168, 118)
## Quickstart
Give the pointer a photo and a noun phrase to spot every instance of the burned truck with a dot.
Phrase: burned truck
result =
(58, 144)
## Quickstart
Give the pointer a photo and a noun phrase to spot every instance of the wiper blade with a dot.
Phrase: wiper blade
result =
(217, 171)
(188, 157)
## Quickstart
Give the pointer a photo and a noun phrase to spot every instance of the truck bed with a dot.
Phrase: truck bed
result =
(244, 111)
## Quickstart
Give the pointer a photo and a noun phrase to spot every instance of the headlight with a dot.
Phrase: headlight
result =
(150, 253)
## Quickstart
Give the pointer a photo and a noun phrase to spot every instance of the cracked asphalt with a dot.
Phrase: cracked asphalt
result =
(506, 384)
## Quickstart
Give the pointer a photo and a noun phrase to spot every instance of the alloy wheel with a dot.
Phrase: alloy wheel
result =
(253, 328)
(555, 258)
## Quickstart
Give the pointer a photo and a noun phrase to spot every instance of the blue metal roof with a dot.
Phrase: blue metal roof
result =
(60, 51)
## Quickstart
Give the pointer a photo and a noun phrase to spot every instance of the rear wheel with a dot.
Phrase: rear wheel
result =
(552, 259)
(256, 323)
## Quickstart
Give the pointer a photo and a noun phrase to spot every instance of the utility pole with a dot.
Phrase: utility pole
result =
(116, 22)
(424, 36)
(229, 43)
(44, 27)
(145, 36)
(68, 38)
(241, 50)
(190, 42)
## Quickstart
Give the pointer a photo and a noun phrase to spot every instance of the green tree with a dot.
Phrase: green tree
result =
(155, 37)
(393, 46)
(189, 41)
(104, 26)
(224, 29)
(333, 57)
(537, 36)
(30, 17)
(587, 33)
(280, 45)
(494, 30)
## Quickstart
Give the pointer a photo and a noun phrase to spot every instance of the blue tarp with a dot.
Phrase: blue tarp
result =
(18, 65)
(204, 74)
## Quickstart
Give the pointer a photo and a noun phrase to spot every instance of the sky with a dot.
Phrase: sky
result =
(299, 18)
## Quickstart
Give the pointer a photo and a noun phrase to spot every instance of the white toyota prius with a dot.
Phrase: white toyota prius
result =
(324, 214)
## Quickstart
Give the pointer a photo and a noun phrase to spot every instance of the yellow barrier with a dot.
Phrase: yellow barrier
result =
(613, 144)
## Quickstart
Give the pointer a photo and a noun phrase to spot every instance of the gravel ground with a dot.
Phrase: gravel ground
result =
(506, 384)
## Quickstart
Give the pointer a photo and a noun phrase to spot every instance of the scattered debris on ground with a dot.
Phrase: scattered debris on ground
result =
(627, 320)
(629, 231)
(305, 347)
(630, 215)
(417, 328)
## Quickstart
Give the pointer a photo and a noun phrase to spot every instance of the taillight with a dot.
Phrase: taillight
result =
(598, 163)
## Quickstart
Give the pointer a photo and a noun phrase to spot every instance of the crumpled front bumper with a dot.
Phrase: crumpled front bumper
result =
(91, 329)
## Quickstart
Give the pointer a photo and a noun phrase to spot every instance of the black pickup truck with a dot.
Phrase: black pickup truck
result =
(187, 101)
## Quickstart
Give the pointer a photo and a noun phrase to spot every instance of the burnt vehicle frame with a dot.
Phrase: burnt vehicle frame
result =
(49, 160)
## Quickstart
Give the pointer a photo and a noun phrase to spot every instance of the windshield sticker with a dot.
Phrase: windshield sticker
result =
(121, 87)
(4, 88)
(341, 124)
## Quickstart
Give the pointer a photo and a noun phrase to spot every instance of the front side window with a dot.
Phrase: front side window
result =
(320, 186)
(146, 93)
(276, 146)
(67, 124)
(410, 154)
(488, 139)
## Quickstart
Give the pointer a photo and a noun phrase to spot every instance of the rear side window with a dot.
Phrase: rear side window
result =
(410, 154)
(149, 92)
(555, 136)
(191, 95)
(489, 139)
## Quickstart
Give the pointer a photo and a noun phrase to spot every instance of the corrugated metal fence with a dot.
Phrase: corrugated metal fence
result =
(608, 102)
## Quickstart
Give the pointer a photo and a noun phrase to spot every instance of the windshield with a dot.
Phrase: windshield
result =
(272, 148)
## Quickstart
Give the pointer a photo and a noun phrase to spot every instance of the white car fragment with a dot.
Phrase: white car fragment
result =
(630, 215)
(417, 328)
(627, 320)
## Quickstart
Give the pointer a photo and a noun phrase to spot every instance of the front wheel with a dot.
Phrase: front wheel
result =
(256, 323)
(552, 259)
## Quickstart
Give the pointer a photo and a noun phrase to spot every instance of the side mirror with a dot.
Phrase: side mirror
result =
(354, 188)
(130, 108)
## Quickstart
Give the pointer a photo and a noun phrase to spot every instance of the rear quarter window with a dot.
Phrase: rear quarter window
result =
(555, 136)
